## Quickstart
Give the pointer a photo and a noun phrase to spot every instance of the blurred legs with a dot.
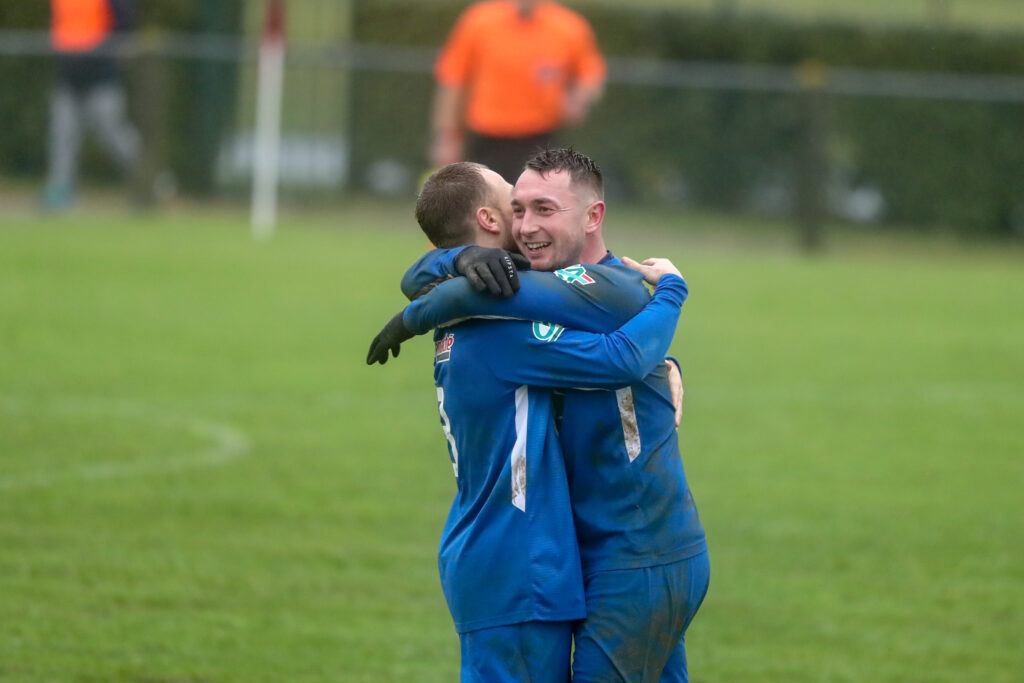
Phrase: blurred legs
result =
(65, 141)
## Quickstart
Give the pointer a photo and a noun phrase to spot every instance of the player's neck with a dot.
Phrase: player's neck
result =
(486, 239)
(593, 249)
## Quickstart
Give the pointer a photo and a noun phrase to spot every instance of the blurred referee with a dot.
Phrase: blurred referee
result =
(511, 73)
(88, 93)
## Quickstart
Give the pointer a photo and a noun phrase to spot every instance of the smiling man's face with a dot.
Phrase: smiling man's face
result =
(549, 219)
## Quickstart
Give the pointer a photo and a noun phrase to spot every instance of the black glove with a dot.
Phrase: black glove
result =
(491, 270)
(390, 338)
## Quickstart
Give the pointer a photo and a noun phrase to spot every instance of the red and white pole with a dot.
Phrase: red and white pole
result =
(267, 142)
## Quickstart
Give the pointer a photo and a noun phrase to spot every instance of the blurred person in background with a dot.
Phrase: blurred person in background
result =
(88, 92)
(511, 73)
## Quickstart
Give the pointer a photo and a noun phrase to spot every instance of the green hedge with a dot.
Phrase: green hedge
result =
(935, 162)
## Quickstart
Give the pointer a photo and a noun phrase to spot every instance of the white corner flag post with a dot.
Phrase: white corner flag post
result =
(267, 142)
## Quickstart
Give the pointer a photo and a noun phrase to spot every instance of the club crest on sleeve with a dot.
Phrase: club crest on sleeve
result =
(443, 348)
(547, 332)
(575, 275)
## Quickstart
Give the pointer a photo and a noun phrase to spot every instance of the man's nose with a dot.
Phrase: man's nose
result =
(527, 224)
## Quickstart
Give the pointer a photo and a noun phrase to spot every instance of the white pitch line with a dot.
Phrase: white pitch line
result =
(226, 443)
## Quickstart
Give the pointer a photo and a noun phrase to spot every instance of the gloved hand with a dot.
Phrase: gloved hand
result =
(390, 338)
(491, 270)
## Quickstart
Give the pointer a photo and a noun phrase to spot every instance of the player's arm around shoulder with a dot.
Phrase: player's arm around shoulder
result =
(653, 269)
(590, 298)
(549, 355)
(595, 298)
(436, 264)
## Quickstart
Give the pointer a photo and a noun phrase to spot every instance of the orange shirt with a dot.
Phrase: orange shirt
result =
(516, 71)
(80, 25)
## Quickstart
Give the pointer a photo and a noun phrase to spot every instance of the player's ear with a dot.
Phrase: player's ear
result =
(487, 220)
(595, 216)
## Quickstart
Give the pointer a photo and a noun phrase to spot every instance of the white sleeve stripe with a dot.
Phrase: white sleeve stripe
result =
(518, 458)
(630, 428)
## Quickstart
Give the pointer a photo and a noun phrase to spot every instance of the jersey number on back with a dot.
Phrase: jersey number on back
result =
(517, 459)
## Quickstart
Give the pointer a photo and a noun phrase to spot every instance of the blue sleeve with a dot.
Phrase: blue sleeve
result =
(591, 298)
(550, 356)
(436, 264)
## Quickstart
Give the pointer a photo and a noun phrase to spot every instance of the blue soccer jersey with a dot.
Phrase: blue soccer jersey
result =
(508, 551)
(632, 505)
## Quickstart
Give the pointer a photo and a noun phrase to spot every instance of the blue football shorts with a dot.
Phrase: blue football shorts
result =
(636, 620)
(536, 651)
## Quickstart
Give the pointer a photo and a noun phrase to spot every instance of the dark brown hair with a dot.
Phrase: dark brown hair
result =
(447, 203)
(581, 168)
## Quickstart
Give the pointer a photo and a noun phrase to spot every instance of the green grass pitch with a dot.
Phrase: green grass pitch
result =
(200, 480)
